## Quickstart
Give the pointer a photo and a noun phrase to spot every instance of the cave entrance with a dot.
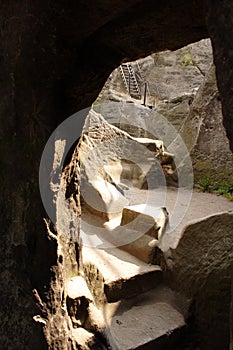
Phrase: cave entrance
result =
(138, 167)
(134, 136)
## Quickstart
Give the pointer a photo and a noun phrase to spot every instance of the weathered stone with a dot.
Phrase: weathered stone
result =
(100, 145)
(197, 116)
(202, 265)
(50, 68)
(108, 157)
(205, 136)
(77, 301)
(113, 274)
(173, 79)
(176, 110)
(83, 313)
(131, 326)
(141, 249)
(146, 219)
(222, 17)
(163, 69)
(83, 338)
(171, 75)
(145, 249)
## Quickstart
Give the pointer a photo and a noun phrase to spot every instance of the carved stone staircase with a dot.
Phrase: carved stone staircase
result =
(125, 288)
(138, 311)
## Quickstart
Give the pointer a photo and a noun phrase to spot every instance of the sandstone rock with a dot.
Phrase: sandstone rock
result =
(85, 340)
(113, 274)
(173, 79)
(149, 124)
(108, 158)
(131, 327)
(146, 219)
(102, 198)
(151, 223)
(170, 75)
(205, 135)
(81, 308)
(197, 116)
(141, 249)
(176, 110)
(202, 270)
(44, 81)
(221, 17)
(99, 146)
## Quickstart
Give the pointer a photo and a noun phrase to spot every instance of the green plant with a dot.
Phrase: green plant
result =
(222, 189)
(205, 185)
(226, 189)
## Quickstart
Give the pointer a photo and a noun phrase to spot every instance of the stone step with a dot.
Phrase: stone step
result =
(82, 338)
(150, 321)
(142, 249)
(146, 219)
(114, 274)
(151, 222)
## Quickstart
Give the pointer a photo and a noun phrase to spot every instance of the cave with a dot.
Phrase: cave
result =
(55, 59)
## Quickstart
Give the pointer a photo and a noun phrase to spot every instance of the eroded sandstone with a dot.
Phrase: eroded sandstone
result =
(55, 57)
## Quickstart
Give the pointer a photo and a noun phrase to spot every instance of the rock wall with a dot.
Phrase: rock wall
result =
(183, 89)
(202, 265)
(205, 136)
(221, 17)
(171, 75)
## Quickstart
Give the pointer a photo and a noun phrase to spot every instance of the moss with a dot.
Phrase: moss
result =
(187, 60)
(206, 169)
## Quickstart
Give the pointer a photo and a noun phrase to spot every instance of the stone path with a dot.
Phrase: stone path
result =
(151, 320)
(116, 275)
(140, 312)
(183, 207)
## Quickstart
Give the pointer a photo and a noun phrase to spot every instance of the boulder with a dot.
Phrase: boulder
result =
(202, 265)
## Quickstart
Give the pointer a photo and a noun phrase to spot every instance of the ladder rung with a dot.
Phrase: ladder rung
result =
(129, 79)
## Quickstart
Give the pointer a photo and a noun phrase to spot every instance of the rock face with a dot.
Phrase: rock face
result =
(170, 75)
(109, 160)
(101, 145)
(221, 17)
(55, 58)
(204, 135)
(113, 274)
(183, 89)
(202, 269)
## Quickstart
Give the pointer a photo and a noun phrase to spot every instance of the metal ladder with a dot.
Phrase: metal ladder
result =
(130, 80)
(146, 84)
